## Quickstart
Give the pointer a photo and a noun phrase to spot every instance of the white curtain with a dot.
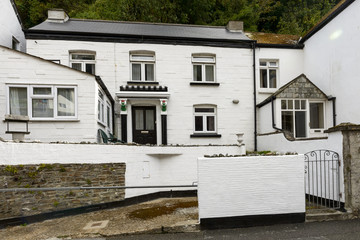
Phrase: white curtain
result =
(18, 101)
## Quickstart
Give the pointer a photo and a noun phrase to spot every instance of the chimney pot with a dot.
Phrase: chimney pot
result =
(235, 26)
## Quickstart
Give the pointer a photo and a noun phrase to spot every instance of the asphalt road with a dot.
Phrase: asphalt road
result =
(347, 230)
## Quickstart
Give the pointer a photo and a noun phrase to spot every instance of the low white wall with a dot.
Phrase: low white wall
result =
(244, 186)
(145, 165)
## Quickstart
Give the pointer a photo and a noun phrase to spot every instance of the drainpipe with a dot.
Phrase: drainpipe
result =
(255, 117)
(273, 115)
(333, 99)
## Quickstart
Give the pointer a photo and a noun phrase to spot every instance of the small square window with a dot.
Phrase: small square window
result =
(204, 119)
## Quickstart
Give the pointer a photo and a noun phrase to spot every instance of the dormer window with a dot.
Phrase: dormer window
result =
(83, 62)
(142, 67)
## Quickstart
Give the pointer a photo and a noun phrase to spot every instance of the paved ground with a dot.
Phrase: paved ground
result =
(333, 230)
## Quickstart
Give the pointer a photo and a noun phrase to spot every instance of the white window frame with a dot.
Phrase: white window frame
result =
(268, 67)
(203, 61)
(293, 110)
(318, 130)
(108, 116)
(101, 108)
(142, 59)
(204, 115)
(53, 96)
(82, 62)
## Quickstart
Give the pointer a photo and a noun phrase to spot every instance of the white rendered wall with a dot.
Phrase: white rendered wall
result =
(243, 186)
(290, 66)
(173, 68)
(10, 26)
(145, 166)
(331, 61)
(19, 68)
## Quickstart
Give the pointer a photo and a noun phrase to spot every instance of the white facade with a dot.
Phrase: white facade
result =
(20, 70)
(174, 69)
(10, 27)
(331, 61)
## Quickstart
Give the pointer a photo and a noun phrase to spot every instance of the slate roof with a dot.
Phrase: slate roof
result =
(139, 29)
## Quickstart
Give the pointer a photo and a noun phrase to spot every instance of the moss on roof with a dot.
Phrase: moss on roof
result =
(273, 38)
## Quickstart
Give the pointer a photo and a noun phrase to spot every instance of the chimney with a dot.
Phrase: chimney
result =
(57, 15)
(235, 26)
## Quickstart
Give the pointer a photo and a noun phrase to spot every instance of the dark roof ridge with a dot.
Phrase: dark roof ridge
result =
(147, 23)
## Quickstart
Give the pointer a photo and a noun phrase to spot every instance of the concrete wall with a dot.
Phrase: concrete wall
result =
(19, 68)
(15, 204)
(250, 186)
(10, 26)
(331, 61)
(173, 68)
(145, 165)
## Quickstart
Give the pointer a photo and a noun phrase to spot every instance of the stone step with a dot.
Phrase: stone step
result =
(326, 215)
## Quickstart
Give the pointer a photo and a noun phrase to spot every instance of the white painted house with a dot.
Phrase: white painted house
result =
(173, 84)
(11, 28)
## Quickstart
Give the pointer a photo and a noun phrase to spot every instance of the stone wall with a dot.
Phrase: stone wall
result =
(15, 204)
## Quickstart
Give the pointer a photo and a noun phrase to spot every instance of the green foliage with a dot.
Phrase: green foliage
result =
(280, 16)
(11, 169)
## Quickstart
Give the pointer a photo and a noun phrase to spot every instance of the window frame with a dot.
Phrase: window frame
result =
(143, 63)
(53, 96)
(317, 130)
(196, 61)
(204, 116)
(101, 108)
(83, 62)
(268, 67)
(294, 110)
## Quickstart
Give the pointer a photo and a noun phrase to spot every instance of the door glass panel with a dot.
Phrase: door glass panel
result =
(198, 123)
(197, 73)
(150, 121)
(209, 73)
(139, 119)
(316, 115)
(210, 123)
(263, 78)
(300, 123)
(149, 72)
(136, 72)
(287, 121)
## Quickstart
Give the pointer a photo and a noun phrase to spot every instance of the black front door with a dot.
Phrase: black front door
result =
(144, 125)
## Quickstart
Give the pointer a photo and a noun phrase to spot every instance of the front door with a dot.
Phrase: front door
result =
(144, 125)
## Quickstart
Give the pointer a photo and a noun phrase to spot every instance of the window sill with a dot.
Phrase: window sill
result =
(143, 82)
(205, 83)
(54, 120)
(205, 135)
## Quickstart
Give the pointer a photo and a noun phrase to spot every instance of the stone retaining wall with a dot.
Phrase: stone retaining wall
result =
(15, 204)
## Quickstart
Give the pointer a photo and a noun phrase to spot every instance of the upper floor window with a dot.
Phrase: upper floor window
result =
(203, 68)
(83, 62)
(43, 102)
(269, 73)
(142, 66)
(204, 119)
(15, 44)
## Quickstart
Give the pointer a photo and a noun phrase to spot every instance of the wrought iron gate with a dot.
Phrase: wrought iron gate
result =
(322, 179)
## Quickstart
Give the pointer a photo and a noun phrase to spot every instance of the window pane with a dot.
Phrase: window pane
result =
(303, 104)
(283, 104)
(272, 78)
(43, 108)
(101, 95)
(82, 57)
(18, 101)
(99, 109)
(199, 123)
(66, 102)
(300, 127)
(290, 104)
(316, 115)
(209, 69)
(297, 104)
(150, 121)
(76, 66)
(197, 73)
(287, 121)
(139, 119)
(90, 68)
(102, 112)
(108, 115)
(263, 64)
(142, 58)
(263, 78)
(136, 72)
(41, 91)
(205, 110)
(210, 123)
(272, 64)
(204, 59)
(149, 72)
